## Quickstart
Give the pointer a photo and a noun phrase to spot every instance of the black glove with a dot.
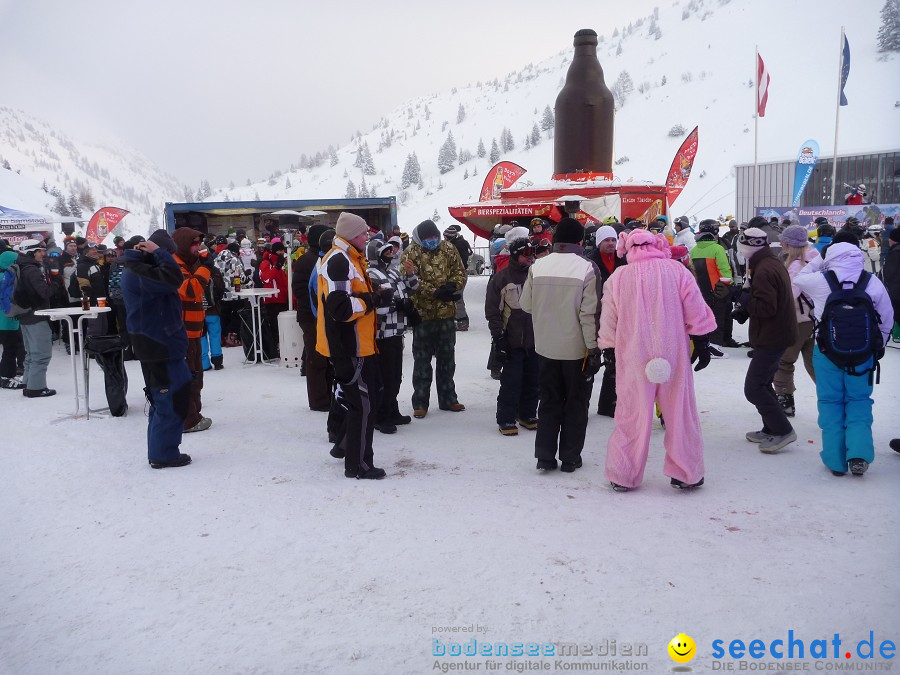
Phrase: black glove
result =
(592, 364)
(384, 296)
(740, 314)
(742, 299)
(370, 300)
(446, 292)
(722, 290)
(701, 352)
(501, 349)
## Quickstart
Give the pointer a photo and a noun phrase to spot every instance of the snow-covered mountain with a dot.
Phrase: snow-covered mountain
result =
(93, 175)
(689, 63)
(692, 63)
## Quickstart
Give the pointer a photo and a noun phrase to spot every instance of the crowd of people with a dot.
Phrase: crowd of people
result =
(642, 302)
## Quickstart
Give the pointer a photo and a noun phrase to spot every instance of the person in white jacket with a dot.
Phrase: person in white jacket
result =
(683, 234)
(845, 400)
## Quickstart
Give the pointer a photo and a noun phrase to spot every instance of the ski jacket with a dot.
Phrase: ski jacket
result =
(230, 266)
(773, 321)
(802, 303)
(686, 238)
(150, 289)
(391, 321)
(463, 248)
(345, 326)
(710, 264)
(892, 277)
(38, 290)
(90, 278)
(195, 279)
(272, 274)
(503, 308)
(7, 258)
(847, 262)
(434, 269)
(562, 293)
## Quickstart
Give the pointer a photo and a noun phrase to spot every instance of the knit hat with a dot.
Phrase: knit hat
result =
(751, 241)
(184, 238)
(162, 239)
(234, 247)
(795, 235)
(245, 243)
(134, 241)
(679, 253)
(758, 222)
(605, 232)
(313, 234)
(845, 237)
(568, 231)
(452, 231)
(350, 226)
(821, 220)
(427, 230)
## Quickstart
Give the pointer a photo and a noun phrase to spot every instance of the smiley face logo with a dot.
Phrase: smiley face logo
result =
(682, 648)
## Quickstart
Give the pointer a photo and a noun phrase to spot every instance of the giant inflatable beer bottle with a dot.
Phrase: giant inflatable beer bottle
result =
(583, 138)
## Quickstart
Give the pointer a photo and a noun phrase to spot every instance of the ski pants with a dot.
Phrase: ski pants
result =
(390, 364)
(319, 376)
(435, 339)
(784, 377)
(194, 362)
(361, 398)
(168, 391)
(626, 452)
(845, 414)
(563, 410)
(38, 350)
(519, 387)
(758, 390)
(11, 341)
(211, 342)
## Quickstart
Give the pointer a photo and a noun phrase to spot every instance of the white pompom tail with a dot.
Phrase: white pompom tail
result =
(658, 370)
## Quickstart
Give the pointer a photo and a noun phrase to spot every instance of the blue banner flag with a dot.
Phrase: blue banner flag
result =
(806, 161)
(845, 69)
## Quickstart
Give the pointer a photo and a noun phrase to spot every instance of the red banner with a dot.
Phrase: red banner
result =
(103, 222)
(681, 167)
(500, 177)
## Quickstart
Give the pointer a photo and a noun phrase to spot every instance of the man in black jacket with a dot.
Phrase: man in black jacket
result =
(319, 378)
(453, 234)
(513, 336)
(891, 275)
(91, 284)
(37, 294)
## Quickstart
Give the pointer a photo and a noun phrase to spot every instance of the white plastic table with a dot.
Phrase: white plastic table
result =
(254, 295)
(76, 327)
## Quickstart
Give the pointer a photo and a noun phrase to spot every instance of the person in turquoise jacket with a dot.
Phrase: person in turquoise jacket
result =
(10, 338)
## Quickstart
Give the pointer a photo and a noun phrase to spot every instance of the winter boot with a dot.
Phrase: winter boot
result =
(386, 428)
(757, 436)
(546, 464)
(895, 445)
(775, 443)
(569, 467)
(530, 424)
(681, 485)
(462, 325)
(217, 362)
(787, 404)
(453, 407)
(858, 466)
(38, 393)
(400, 420)
(619, 488)
(496, 373)
(11, 383)
(508, 429)
(183, 460)
(204, 424)
(372, 473)
(337, 451)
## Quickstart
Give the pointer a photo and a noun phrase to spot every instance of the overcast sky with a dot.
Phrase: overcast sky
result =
(234, 89)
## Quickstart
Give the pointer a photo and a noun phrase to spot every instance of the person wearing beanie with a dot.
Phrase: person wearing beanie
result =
(453, 234)
(345, 327)
(394, 314)
(891, 274)
(845, 395)
(651, 310)
(150, 291)
(34, 292)
(768, 299)
(195, 279)
(442, 279)
(562, 293)
(229, 264)
(313, 365)
(512, 336)
(162, 239)
(273, 274)
(714, 276)
(796, 253)
(607, 262)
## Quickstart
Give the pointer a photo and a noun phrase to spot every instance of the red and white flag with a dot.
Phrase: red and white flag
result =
(762, 86)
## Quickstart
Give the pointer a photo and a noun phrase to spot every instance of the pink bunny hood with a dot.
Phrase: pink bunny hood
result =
(639, 245)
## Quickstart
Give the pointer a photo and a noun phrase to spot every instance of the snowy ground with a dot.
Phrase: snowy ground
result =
(261, 558)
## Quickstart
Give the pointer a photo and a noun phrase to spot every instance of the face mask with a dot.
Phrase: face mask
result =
(431, 244)
(746, 251)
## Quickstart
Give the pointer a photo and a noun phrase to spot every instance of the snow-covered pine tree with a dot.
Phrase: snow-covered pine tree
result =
(287, 183)
(6, 165)
(363, 188)
(188, 194)
(351, 190)
(548, 121)
(415, 170)
(460, 114)
(447, 156)
(464, 156)
(405, 180)
(619, 49)
(481, 152)
(427, 113)
(889, 32)
(86, 198)
(466, 174)
(60, 206)
(506, 140)
(73, 206)
(332, 153)
(368, 166)
(154, 218)
(535, 135)
(495, 152)
(527, 142)
(44, 187)
(421, 184)
(360, 158)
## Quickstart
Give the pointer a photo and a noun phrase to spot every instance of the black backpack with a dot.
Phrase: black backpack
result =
(848, 331)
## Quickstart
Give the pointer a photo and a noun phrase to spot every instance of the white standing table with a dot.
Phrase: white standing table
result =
(76, 327)
(254, 295)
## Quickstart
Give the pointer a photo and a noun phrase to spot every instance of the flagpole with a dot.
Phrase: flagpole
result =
(837, 116)
(755, 133)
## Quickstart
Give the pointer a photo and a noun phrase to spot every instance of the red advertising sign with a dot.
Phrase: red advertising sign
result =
(681, 167)
(499, 177)
(103, 222)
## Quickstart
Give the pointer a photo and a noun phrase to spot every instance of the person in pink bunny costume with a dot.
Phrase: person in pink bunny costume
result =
(652, 309)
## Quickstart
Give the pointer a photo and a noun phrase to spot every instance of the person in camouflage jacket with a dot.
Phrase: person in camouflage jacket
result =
(441, 280)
